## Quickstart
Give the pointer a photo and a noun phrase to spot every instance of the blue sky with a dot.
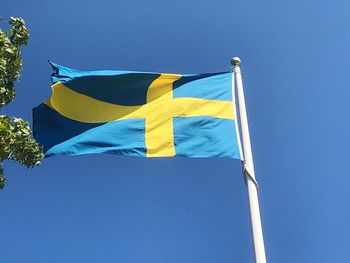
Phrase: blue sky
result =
(103, 208)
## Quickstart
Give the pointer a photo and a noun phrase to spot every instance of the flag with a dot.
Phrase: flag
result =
(138, 114)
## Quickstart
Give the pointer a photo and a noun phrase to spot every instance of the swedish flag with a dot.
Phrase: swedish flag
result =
(138, 114)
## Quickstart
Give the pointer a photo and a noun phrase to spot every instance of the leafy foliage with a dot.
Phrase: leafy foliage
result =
(16, 142)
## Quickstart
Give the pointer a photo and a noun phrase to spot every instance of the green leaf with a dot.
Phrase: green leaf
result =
(4, 123)
(2, 178)
(9, 50)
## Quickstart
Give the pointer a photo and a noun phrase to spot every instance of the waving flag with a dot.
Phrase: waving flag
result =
(138, 113)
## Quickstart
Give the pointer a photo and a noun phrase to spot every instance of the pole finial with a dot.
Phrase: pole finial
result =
(235, 62)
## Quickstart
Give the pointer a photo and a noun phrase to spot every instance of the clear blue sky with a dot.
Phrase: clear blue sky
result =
(103, 208)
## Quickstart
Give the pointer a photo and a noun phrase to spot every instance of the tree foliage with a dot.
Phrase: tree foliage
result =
(16, 142)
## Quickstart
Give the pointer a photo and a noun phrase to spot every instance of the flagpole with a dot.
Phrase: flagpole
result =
(248, 167)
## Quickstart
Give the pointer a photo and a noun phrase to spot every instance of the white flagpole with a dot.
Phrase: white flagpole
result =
(248, 167)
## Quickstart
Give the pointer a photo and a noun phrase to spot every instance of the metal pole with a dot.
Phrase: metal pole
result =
(248, 168)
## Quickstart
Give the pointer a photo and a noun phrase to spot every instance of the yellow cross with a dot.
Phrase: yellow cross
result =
(158, 112)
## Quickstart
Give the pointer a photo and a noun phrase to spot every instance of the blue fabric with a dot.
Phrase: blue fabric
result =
(206, 86)
(64, 74)
(124, 137)
(119, 87)
(51, 128)
(63, 136)
(205, 136)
